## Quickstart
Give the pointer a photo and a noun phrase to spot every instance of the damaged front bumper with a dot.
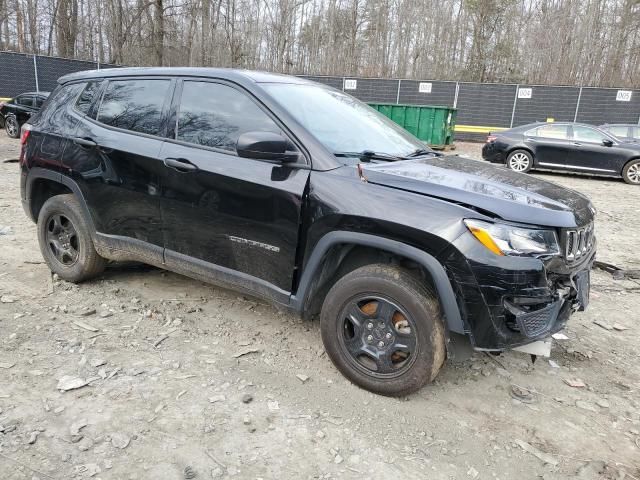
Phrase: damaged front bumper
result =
(509, 302)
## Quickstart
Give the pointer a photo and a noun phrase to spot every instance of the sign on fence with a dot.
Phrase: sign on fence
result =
(525, 92)
(425, 87)
(350, 84)
(624, 96)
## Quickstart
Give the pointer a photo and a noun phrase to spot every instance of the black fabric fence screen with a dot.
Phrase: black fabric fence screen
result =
(482, 107)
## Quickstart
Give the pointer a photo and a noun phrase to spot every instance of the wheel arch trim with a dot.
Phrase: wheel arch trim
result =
(453, 319)
(37, 173)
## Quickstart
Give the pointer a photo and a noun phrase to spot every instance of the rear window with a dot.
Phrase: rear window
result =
(134, 105)
(26, 100)
(85, 99)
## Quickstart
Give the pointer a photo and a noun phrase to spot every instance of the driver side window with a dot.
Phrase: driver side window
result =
(215, 115)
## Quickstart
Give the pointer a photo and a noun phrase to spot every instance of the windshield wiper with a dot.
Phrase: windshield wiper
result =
(368, 155)
(423, 151)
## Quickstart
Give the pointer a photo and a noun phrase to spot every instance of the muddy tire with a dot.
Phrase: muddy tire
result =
(631, 172)
(382, 328)
(65, 240)
(12, 127)
(520, 161)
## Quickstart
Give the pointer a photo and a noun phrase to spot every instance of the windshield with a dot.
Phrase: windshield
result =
(342, 123)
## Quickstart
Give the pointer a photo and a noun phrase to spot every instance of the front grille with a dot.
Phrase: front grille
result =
(578, 242)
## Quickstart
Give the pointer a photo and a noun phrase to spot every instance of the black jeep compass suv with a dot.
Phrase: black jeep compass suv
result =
(300, 194)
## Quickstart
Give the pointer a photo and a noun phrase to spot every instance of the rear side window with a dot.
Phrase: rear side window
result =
(26, 100)
(215, 115)
(553, 131)
(635, 132)
(85, 99)
(53, 116)
(39, 101)
(134, 105)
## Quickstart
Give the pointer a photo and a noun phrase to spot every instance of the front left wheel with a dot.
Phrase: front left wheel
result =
(12, 127)
(382, 328)
(65, 240)
(631, 172)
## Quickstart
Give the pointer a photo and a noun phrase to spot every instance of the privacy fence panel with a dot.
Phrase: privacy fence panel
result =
(414, 92)
(17, 74)
(482, 107)
(485, 104)
(539, 103)
(608, 105)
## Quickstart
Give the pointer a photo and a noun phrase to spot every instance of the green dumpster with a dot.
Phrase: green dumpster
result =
(431, 124)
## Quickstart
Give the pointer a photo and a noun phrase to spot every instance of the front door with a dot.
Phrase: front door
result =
(590, 155)
(115, 159)
(222, 212)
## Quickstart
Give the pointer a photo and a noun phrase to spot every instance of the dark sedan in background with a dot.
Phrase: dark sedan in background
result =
(569, 147)
(626, 132)
(15, 112)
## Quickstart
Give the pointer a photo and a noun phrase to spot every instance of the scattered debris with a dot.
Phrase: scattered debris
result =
(603, 324)
(619, 328)
(246, 351)
(189, 473)
(86, 326)
(217, 398)
(33, 437)
(7, 299)
(5, 230)
(302, 377)
(120, 440)
(247, 398)
(472, 472)
(68, 382)
(7, 365)
(545, 457)
(553, 364)
(522, 394)
(574, 382)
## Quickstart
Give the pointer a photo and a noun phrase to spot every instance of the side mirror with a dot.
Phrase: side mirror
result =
(607, 143)
(265, 146)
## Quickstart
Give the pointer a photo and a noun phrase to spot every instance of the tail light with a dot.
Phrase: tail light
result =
(491, 138)
(26, 130)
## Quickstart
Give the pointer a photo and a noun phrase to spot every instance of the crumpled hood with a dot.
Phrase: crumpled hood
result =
(512, 196)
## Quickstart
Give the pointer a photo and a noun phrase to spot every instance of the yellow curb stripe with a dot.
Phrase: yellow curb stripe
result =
(478, 129)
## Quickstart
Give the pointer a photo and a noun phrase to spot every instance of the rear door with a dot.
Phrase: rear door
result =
(550, 145)
(114, 156)
(590, 154)
(221, 210)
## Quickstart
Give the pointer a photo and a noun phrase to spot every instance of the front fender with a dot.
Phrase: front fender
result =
(453, 319)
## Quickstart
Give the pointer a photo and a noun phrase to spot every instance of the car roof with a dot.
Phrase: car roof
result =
(619, 125)
(237, 75)
(539, 124)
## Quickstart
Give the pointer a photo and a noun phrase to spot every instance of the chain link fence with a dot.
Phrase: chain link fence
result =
(482, 107)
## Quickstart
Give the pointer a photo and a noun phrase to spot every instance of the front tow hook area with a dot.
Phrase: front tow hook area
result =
(533, 323)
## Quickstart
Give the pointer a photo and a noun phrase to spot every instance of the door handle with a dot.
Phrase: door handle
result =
(577, 144)
(180, 164)
(84, 142)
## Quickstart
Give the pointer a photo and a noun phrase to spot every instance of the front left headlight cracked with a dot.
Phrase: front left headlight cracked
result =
(503, 239)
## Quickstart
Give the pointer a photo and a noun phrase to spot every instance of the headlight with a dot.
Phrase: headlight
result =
(504, 239)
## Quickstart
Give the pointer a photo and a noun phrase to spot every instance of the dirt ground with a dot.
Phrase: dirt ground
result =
(185, 380)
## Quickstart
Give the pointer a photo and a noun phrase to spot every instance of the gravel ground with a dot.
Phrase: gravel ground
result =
(175, 379)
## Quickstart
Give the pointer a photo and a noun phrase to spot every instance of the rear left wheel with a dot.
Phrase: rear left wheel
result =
(383, 330)
(12, 127)
(65, 240)
(520, 161)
